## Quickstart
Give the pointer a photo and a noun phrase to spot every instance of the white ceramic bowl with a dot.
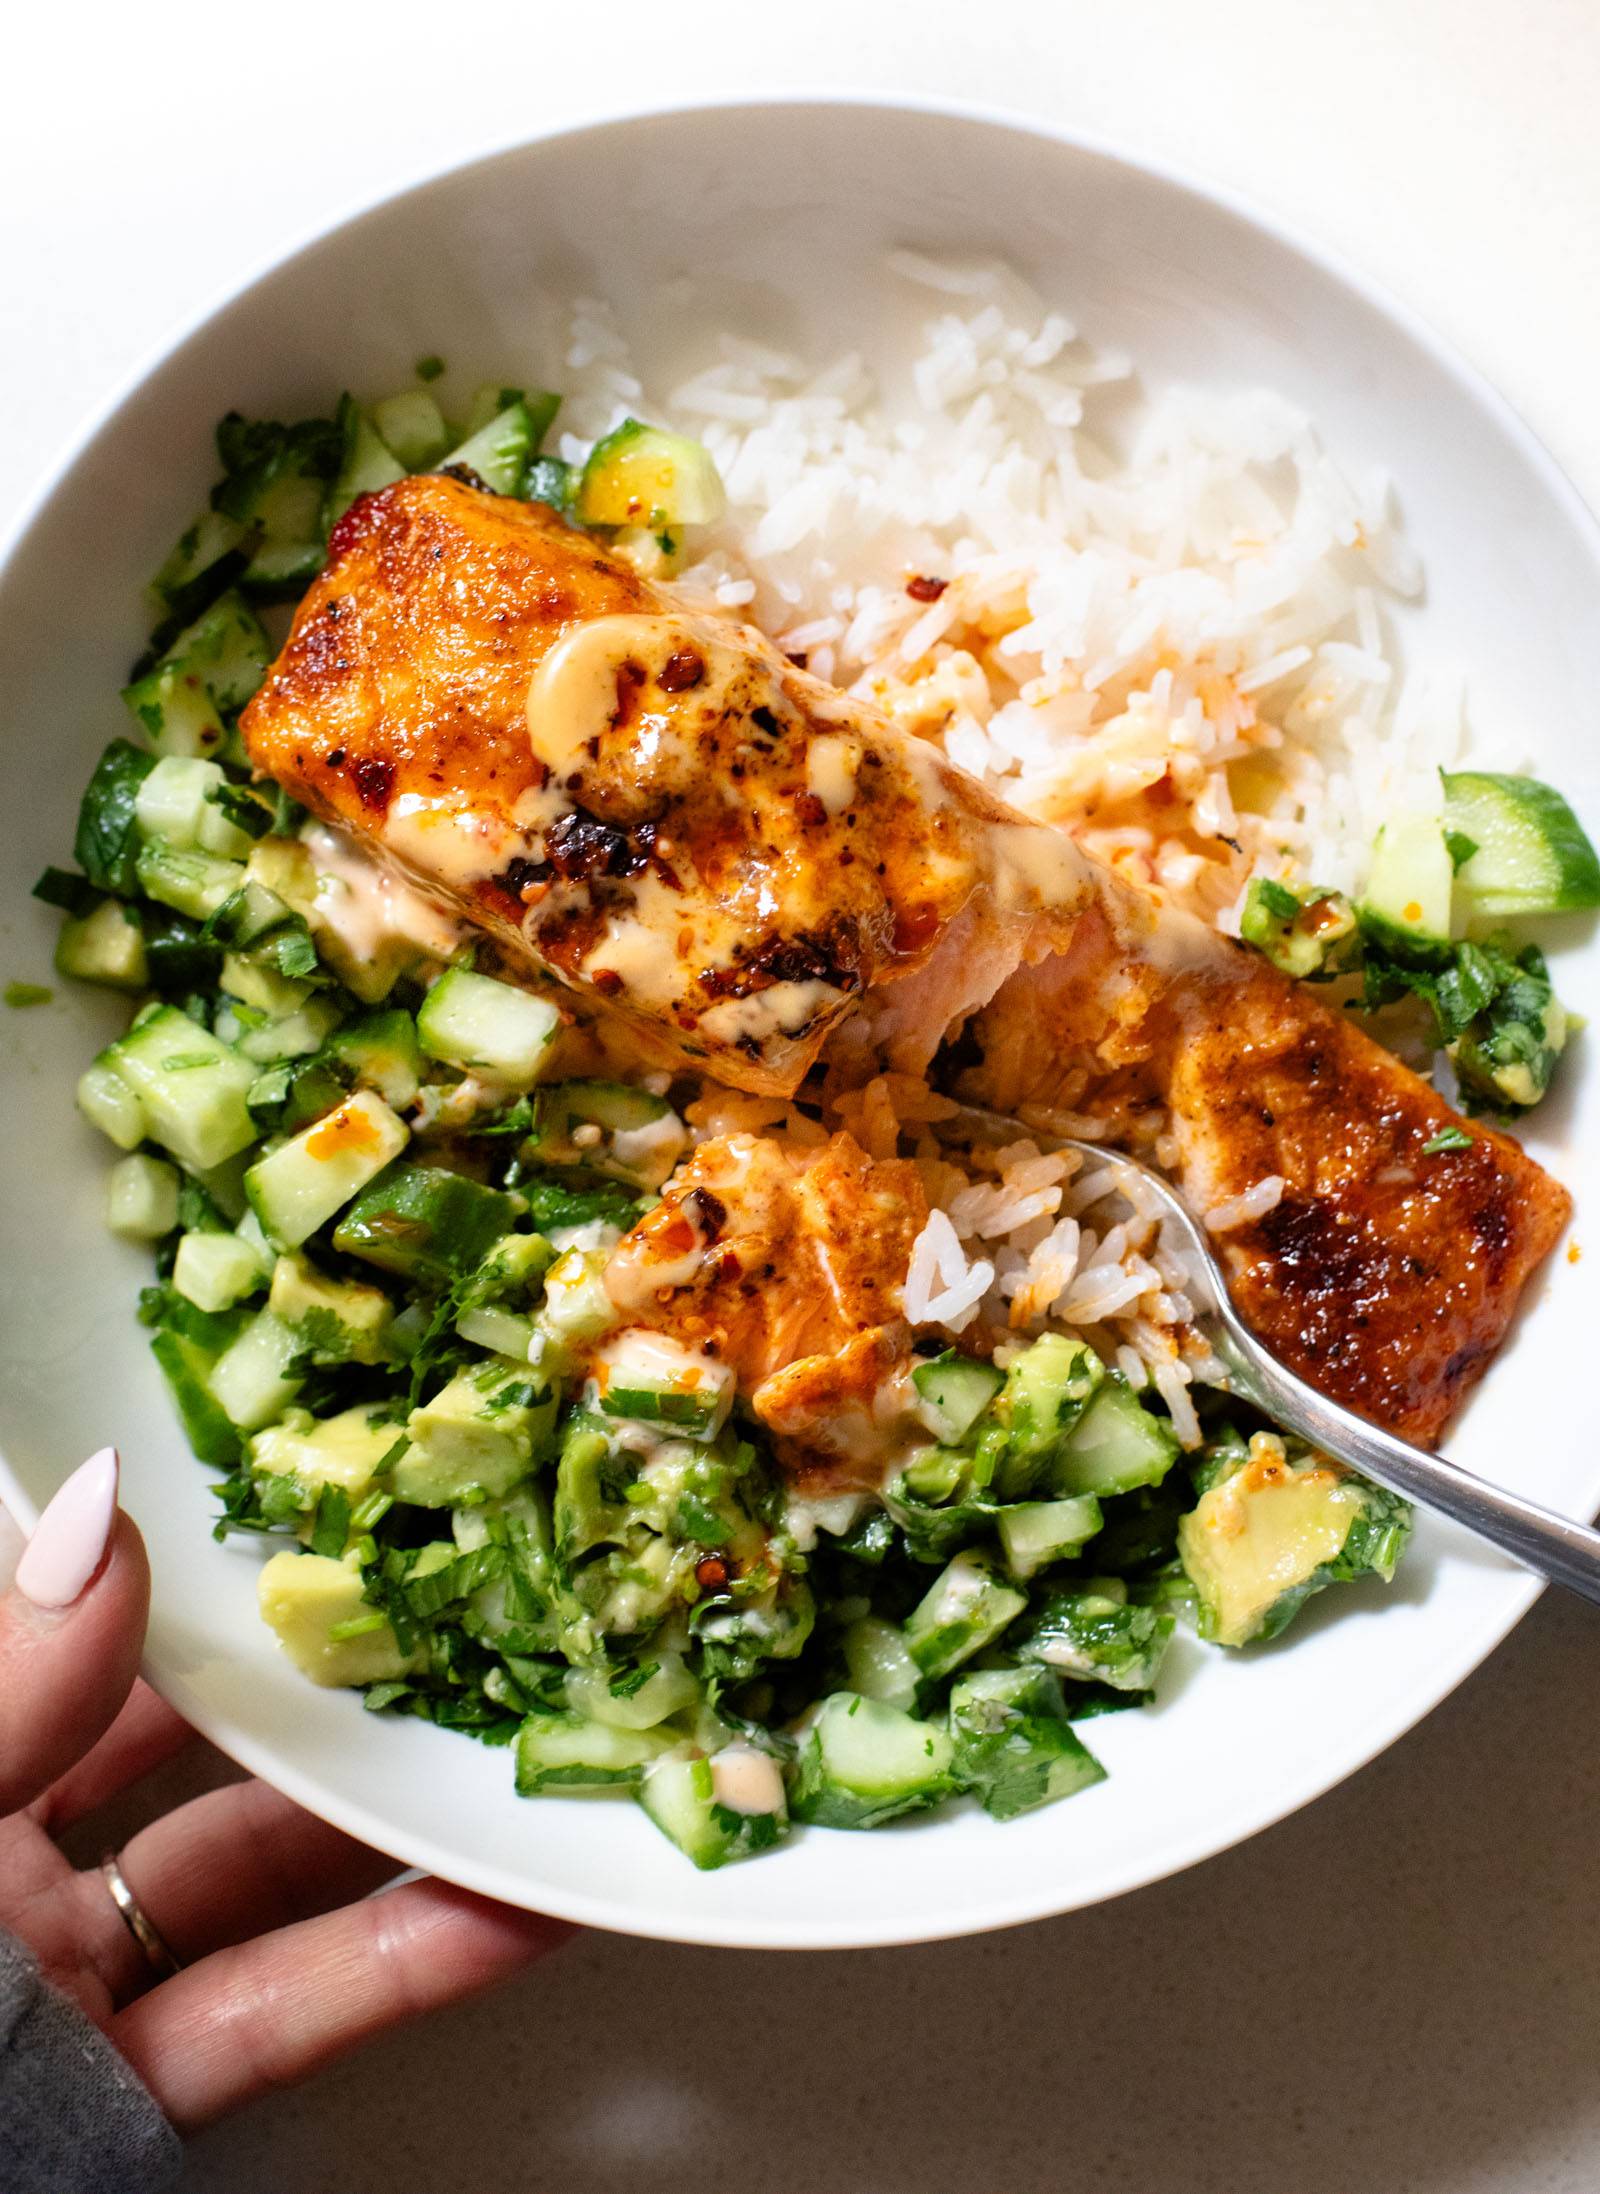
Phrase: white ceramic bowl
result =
(782, 212)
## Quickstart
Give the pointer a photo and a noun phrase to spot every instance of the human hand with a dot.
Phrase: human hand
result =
(286, 1961)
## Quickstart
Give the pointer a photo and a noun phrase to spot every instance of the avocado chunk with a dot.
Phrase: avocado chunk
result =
(424, 1223)
(1047, 1389)
(339, 1321)
(476, 1438)
(342, 1451)
(1271, 1528)
(303, 1597)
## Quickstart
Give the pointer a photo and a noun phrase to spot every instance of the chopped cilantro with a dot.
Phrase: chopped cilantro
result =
(1448, 1138)
(28, 994)
(429, 368)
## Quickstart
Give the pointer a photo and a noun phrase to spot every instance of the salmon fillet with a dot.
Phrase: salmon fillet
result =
(746, 873)
(784, 1261)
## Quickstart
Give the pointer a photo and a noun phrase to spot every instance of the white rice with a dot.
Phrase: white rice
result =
(1175, 641)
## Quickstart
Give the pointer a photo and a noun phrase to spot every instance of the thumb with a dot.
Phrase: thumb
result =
(71, 1632)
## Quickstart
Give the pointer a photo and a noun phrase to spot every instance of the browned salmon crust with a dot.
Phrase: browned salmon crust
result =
(752, 874)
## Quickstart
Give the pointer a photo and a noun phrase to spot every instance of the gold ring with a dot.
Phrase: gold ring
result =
(140, 1926)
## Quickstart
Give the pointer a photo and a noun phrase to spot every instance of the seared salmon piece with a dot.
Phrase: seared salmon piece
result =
(737, 870)
(784, 1260)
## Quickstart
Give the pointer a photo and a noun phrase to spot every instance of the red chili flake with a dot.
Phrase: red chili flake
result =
(810, 810)
(711, 1574)
(683, 670)
(607, 981)
(373, 778)
(925, 589)
(335, 758)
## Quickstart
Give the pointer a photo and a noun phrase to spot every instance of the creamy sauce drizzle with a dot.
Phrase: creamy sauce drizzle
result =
(365, 906)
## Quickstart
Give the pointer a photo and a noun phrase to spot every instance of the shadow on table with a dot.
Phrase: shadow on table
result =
(1399, 1989)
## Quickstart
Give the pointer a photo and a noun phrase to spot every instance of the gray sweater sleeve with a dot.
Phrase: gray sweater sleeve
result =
(74, 2119)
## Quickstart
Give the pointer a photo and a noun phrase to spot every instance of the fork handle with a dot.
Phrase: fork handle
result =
(1554, 1546)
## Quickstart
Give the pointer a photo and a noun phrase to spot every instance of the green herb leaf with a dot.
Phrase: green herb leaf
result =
(28, 994)
(1448, 1138)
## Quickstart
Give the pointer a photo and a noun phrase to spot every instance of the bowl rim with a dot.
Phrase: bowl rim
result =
(257, 1755)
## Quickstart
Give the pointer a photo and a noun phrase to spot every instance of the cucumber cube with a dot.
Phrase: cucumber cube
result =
(689, 1801)
(649, 1378)
(104, 946)
(1115, 1446)
(1014, 1746)
(563, 1752)
(865, 1762)
(667, 1690)
(964, 1608)
(172, 799)
(192, 882)
(1035, 1533)
(489, 1027)
(110, 1104)
(252, 1380)
(190, 1085)
(879, 1664)
(142, 1198)
(215, 1271)
(299, 1186)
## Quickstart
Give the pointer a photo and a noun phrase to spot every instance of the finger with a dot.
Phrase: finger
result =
(241, 1862)
(71, 1631)
(146, 1732)
(272, 2011)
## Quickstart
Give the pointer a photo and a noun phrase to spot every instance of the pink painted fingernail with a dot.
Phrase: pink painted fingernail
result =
(69, 1540)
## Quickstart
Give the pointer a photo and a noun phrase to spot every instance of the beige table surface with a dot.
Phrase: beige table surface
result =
(1399, 1989)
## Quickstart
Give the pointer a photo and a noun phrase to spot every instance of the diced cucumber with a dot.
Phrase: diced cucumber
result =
(186, 1365)
(494, 1327)
(425, 1223)
(142, 1198)
(963, 1610)
(193, 882)
(252, 1380)
(293, 1035)
(198, 549)
(251, 913)
(563, 1752)
(640, 475)
(549, 480)
(257, 986)
(499, 451)
(366, 462)
(1035, 1533)
(576, 1307)
(105, 946)
(652, 1379)
(614, 1127)
(1095, 1637)
(215, 1271)
(110, 1104)
(490, 1027)
(865, 1762)
(1116, 1445)
(382, 1051)
(1530, 854)
(955, 1392)
(667, 1690)
(299, 1186)
(412, 427)
(226, 650)
(172, 799)
(1014, 1747)
(1407, 899)
(174, 705)
(688, 1799)
(190, 1086)
(879, 1664)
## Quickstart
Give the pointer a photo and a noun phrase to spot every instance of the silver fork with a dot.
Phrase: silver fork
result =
(1567, 1553)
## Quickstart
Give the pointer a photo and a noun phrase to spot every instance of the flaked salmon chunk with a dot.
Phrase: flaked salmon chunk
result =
(744, 873)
